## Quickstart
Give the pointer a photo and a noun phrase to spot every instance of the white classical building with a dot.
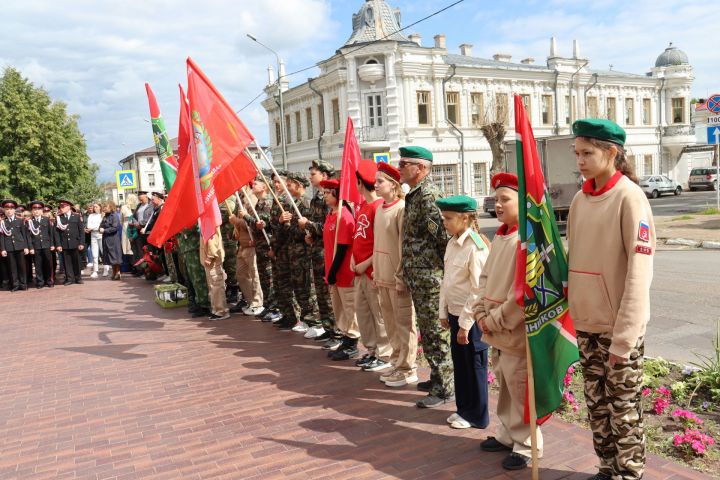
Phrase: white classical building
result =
(399, 92)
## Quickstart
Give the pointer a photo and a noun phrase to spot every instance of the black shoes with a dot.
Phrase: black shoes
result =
(79, 281)
(214, 318)
(515, 461)
(431, 401)
(325, 336)
(200, 312)
(492, 445)
(347, 350)
(365, 360)
(236, 308)
(424, 386)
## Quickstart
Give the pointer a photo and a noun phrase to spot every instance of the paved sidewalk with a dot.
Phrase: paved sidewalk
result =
(99, 382)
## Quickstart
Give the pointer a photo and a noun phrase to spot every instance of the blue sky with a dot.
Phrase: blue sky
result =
(96, 56)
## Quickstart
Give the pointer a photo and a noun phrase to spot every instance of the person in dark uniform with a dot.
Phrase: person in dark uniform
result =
(42, 240)
(141, 217)
(4, 263)
(14, 245)
(54, 254)
(71, 231)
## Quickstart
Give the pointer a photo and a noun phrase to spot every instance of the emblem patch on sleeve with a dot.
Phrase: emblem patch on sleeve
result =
(644, 249)
(432, 227)
(644, 231)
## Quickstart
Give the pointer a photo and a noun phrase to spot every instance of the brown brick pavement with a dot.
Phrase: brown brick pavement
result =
(99, 383)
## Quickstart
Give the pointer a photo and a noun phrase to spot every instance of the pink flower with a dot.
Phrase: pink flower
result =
(692, 442)
(491, 378)
(571, 370)
(646, 392)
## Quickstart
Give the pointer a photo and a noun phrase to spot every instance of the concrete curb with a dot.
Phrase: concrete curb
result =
(684, 242)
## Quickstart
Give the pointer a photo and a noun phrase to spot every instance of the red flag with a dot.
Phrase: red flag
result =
(184, 129)
(220, 140)
(350, 161)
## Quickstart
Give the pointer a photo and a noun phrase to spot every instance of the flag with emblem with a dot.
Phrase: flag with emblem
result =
(541, 276)
(168, 161)
(350, 161)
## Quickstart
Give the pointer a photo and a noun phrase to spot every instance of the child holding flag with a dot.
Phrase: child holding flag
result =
(502, 322)
(611, 239)
(465, 256)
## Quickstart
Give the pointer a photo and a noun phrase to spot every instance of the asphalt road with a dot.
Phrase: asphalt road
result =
(687, 202)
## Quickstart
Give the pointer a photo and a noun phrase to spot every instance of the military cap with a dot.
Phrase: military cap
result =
(281, 171)
(600, 129)
(416, 152)
(142, 192)
(332, 183)
(47, 208)
(299, 178)
(62, 202)
(504, 179)
(159, 195)
(37, 204)
(389, 170)
(21, 208)
(9, 203)
(457, 203)
(367, 170)
(323, 166)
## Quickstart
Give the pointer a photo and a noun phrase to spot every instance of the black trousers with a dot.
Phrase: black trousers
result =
(71, 259)
(43, 266)
(4, 271)
(471, 375)
(16, 261)
(29, 262)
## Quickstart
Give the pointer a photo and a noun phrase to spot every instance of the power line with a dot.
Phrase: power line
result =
(358, 48)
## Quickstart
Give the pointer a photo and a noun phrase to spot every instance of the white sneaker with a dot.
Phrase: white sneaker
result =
(106, 271)
(167, 279)
(460, 423)
(89, 265)
(301, 327)
(252, 311)
(93, 275)
(314, 332)
(399, 379)
(452, 418)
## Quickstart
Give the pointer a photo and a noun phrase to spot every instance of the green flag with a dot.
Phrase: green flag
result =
(168, 162)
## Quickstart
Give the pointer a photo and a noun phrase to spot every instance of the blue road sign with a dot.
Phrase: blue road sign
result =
(125, 179)
(713, 103)
(713, 135)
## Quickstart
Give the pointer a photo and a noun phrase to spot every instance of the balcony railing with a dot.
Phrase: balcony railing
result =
(372, 134)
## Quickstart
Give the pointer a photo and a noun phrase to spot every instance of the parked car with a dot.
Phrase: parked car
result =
(703, 178)
(489, 205)
(656, 185)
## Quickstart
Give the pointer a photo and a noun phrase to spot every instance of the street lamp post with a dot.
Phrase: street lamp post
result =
(280, 93)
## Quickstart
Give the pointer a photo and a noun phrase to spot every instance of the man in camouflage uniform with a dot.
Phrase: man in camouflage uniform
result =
(280, 227)
(618, 433)
(300, 266)
(313, 225)
(189, 245)
(230, 245)
(423, 251)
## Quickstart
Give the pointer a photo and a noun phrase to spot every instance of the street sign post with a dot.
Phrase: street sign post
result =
(126, 179)
(713, 120)
(713, 135)
(713, 103)
(381, 157)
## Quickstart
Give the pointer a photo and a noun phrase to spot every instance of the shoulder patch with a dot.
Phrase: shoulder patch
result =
(644, 231)
(643, 249)
(432, 227)
(478, 240)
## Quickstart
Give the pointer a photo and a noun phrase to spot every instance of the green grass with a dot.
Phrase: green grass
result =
(709, 211)
(683, 217)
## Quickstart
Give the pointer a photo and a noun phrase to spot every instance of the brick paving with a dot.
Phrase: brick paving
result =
(98, 382)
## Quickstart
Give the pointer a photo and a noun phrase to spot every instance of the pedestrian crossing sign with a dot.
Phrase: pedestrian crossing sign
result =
(126, 179)
(381, 157)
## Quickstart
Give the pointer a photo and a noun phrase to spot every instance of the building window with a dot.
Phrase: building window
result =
(278, 139)
(298, 127)
(288, 137)
(647, 112)
(336, 115)
(526, 103)
(477, 107)
(452, 99)
(632, 161)
(446, 177)
(374, 110)
(678, 110)
(321, 119)
(648, 165)
(502, 112)
(629, 111)
(150, 160)
(611, 109)
(423, 107)
(479, 179)
(547, 110)
(308, 120)
(592, 107)
(151, 179)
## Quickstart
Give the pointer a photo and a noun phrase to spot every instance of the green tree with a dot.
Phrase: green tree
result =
(42, 152)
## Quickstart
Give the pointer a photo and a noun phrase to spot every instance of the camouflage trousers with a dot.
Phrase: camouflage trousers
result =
(614, 401)
(302, 283)
(229, 263)
(283, 285)
(265, 271)
(195, 275)
(424, 287)
(322, 293)
(170, 262)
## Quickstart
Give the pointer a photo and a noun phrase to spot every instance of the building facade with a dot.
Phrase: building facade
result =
(399, 92)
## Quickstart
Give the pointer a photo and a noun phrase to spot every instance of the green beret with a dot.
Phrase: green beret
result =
(416, 152)
(323, 166)
(457, 203)
(600, 129)
(299, 178)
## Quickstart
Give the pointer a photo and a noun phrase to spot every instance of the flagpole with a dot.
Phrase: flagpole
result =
(337, 226)
(270, 187)
(257, 217)
(533, 411)
(292, 201)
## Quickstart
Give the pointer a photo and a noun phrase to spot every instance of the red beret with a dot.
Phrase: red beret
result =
(330, 183)
(504, 179)
(389, 170)
(367, 170)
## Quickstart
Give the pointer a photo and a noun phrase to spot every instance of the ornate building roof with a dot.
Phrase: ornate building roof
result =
(672, 56)
(375, 21)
